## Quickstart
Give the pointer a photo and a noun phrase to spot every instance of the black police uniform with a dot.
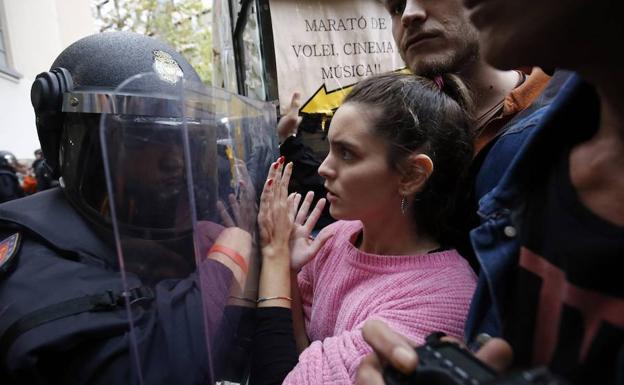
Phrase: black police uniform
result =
(62, 316)
(9, 186)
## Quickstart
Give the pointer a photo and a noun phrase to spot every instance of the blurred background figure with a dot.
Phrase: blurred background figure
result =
(9, 183)
(38, 158)
(43, 175)
(27, 179)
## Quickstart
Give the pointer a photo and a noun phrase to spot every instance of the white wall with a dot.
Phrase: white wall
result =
(36, 31)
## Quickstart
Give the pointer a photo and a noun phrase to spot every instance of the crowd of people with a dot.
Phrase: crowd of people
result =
(479, 196)
(18, 180)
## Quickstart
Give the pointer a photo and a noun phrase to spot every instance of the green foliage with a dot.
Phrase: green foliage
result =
(181, 23)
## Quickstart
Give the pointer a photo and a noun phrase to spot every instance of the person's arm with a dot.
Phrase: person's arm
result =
(282, 228)
(274, 351)
(300, 335)
(232, 248)
(304, 248)
(274, 289)
(276, 222)
(337, 358)
(289, 123)
(305, 175)
(415, 308)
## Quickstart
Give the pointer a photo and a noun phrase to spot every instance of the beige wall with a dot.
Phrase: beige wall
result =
(36, 31)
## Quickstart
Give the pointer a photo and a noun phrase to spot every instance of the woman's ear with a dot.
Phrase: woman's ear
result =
(416, 173)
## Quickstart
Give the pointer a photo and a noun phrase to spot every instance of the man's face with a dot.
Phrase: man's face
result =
(554, 33)
(433, 36)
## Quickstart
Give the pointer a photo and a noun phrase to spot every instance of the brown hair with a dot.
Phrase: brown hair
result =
(429, 117)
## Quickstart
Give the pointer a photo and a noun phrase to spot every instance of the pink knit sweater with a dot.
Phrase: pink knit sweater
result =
(342, 287)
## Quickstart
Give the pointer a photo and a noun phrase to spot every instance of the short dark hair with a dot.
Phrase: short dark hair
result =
(429, 117)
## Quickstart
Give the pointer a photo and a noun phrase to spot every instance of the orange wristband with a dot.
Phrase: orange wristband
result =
(232, 254)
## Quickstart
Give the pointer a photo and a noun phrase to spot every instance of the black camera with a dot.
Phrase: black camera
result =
(446, 363)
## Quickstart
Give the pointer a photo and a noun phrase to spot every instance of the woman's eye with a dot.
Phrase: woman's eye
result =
(346, 155)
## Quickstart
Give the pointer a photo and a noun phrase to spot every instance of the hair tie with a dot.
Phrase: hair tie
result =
(439, 82)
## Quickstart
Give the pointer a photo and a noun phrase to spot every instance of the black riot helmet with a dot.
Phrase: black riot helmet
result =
(69, 101)
(8, 161)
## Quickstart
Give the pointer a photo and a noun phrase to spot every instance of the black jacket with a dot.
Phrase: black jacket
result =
(61, 262)
(9, 186)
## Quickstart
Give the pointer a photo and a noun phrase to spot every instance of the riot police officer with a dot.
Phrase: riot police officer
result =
(104, 280)
(42, 172)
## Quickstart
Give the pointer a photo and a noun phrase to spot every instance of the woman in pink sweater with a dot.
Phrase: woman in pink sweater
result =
(399, 149)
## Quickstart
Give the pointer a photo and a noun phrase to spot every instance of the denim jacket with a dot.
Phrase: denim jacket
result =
(511, 164)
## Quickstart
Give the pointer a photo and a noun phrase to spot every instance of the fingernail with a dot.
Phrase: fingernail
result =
(403, 357)
(281, 159)
(270, 182)
(275, 166)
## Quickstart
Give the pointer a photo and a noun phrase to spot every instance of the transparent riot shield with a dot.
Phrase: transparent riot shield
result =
(184, 167)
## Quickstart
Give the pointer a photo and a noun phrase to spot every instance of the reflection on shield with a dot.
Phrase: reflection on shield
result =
(183, 163)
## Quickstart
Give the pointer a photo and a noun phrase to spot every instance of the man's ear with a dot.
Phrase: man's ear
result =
(416, 172)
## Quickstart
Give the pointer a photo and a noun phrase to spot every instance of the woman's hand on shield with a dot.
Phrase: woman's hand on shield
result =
(277, 213)
(275, 222)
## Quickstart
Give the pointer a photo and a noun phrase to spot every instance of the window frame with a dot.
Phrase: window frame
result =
(7, 70)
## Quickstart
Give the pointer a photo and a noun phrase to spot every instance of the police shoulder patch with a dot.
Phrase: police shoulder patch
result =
(9, 248)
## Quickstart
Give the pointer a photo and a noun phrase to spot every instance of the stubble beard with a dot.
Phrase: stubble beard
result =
(454, 62)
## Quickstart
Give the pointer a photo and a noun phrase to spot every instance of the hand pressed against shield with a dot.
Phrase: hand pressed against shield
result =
(276, 216)
(286, 224)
